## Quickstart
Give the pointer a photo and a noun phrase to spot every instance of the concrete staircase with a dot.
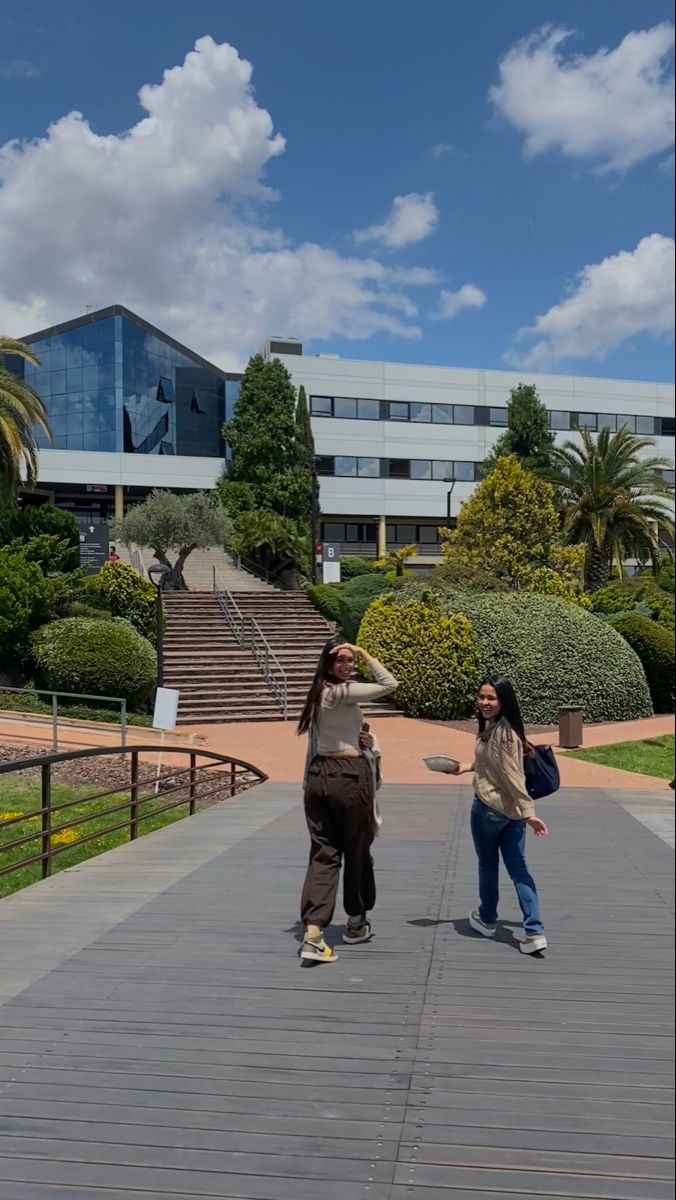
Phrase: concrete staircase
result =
(219, 680)
(199, 573)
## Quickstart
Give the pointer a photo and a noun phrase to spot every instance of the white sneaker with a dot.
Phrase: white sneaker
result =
(534, 943)
(479, 926)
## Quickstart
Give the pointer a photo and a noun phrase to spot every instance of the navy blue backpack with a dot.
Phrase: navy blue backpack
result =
(542, 772)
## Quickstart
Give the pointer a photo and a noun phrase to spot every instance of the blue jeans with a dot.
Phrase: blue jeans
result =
(494, 835)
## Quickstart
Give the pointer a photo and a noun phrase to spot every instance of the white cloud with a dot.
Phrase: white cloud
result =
(411, 218)
(615, 107)
(19, 68)
(168, 218)
(452, 303)
(440, 150)
(625, 295)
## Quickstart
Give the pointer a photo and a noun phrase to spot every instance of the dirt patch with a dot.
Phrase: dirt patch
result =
(113, 771)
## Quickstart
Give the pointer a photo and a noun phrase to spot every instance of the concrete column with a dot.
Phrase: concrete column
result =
(119, 501)
(382, 537)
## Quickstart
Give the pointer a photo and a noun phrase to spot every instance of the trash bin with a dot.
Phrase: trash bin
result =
(570, 727)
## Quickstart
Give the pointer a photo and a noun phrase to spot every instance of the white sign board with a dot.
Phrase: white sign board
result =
(166, 709)
(330, 563)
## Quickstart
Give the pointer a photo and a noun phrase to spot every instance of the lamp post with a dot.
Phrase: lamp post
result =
(157, 573)
(449, 495)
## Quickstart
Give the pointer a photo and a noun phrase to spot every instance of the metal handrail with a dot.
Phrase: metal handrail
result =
(184, 786)
(249, 635)
(262, 573)
(78, 696)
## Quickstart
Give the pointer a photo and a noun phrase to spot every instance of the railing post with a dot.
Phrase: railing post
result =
(233, 779)
(46, 796)
(191, 793)
(133, 797)
(55, 722)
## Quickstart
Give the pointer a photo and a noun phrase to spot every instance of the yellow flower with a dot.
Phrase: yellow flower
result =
(65, 837)
(9, 816)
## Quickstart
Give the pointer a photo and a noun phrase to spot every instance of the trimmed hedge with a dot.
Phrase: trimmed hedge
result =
(655, 648)
(555, 653)
(354, 599)
(125, 594)
(622, 596)
(353, 565)
(433, 655)
(100, 658)
(326, 599)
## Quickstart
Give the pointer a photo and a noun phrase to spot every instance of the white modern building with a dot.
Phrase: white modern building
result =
(399, 446)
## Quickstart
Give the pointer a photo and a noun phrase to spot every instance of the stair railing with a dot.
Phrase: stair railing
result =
(249, 635)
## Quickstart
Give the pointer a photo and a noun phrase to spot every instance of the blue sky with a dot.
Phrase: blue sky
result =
(503, 201)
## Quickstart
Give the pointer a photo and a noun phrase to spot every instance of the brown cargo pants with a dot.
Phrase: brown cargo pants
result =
(339, 814)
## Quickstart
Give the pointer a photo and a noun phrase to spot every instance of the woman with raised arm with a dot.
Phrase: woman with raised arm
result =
(340, 797)
(502, 811)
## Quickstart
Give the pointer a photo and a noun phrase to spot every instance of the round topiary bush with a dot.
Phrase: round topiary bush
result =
(119, 589)
(555, 653)
(433, 655)
(355, 597)
(100, 658)
(655, 648)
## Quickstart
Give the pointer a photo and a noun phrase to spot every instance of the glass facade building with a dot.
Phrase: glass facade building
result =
(112, 382)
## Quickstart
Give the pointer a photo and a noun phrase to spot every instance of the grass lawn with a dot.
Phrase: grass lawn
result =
(651, 756)
(22, 796)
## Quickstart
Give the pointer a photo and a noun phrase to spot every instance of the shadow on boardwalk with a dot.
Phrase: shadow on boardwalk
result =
(159, 1040)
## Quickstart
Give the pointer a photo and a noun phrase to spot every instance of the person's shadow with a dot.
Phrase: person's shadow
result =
(462, 927)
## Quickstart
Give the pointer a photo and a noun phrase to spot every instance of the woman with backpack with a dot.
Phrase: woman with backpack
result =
(341, 779)
(502, 811)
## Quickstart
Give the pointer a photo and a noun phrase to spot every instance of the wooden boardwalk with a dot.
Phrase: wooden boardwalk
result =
(159, 1039)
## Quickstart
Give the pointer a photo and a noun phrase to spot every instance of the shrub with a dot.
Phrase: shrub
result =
(555, 653)
(20, 702)
(665, 575)
(23, 602)
(125, 594)
(36, 520)
(354, 599)
(655, 648)
(326, 599)
(623, 595)
(97, 657)
(352, 566)
(433, 655)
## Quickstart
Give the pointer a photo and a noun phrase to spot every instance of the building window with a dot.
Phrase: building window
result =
(442, 414)
(559, 419)
(607, 421)
(368, 410)
(398, 468)
(464, 472)
(587, 421)
(405, 534)
(422, 413)
(428, 534)
(421, 468)
(345, 408)
(628, 423)
(321, 406)
(497, 417)
(345, 466)
(463, 414)
(442, 471)
(333, 532)
(666, 426)
(325, 464)
(669, 478)
(369, 468)
(398, 411)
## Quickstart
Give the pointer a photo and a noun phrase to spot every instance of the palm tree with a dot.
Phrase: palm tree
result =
(614, 501)
(396, 559)
(22, 414)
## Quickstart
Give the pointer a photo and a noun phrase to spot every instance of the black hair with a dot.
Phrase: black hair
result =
(323, 675)
(510, 712)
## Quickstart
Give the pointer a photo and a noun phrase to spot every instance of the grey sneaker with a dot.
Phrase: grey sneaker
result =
(479, 926)
(357, 933)
(318, 951)
(534, 943)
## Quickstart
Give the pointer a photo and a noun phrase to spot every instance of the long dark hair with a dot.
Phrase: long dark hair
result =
(510, 713)
(323, 675)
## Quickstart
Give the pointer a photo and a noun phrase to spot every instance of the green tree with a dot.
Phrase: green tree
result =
(528, 435)
(307, 457)
(22, 413)
(395, 560)
(510, 529)
(615, 501)
(271, 542)
(264, 443)
(173, 524)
